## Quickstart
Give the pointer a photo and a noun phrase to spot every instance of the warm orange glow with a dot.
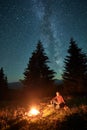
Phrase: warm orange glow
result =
(33, 112)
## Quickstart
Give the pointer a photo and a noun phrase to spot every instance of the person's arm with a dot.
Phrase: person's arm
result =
(62, 99)
(54, 98)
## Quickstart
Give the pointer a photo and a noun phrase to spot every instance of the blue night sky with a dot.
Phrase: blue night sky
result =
(54, 22)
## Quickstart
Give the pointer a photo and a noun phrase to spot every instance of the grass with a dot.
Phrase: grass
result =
(13, 116)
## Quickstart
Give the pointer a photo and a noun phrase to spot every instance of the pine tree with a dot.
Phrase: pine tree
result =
(37, 73)
(3, 79)
(75, 69)
(3, 84)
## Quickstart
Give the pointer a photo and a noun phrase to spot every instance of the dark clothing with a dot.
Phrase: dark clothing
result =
(62, 105)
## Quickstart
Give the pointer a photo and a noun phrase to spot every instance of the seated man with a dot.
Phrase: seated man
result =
(58, 101)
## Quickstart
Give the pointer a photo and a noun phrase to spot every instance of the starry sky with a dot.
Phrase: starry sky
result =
(54, 22)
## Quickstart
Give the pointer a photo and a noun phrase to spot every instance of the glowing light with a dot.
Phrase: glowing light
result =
(33, 112)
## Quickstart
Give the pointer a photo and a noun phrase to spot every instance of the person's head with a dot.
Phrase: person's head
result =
(57, 93)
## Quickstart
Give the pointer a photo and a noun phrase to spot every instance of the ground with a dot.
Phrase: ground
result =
(14, 115)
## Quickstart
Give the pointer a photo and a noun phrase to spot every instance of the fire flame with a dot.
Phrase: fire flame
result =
(33, 112)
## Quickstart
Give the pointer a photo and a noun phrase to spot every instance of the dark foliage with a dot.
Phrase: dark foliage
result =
(75, 69)
(3, 84)
(38, 75)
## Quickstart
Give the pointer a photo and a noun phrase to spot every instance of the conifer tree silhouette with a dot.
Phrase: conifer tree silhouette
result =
(38, 74)
(75, 69)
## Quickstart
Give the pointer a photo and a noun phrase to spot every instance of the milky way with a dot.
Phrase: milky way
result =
(53, 26)
(54, 22)
(45, 14)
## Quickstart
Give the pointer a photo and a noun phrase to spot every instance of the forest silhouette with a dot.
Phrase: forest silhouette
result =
(39, 79)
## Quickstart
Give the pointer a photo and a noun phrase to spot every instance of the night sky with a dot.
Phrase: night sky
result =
(54, 22)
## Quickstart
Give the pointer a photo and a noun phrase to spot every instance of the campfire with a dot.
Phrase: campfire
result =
(33, 112)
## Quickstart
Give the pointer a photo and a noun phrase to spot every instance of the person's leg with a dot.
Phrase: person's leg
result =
(62, 105)
(55, 104)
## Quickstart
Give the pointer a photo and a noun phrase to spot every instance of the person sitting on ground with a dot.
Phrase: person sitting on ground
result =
(58, 101)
